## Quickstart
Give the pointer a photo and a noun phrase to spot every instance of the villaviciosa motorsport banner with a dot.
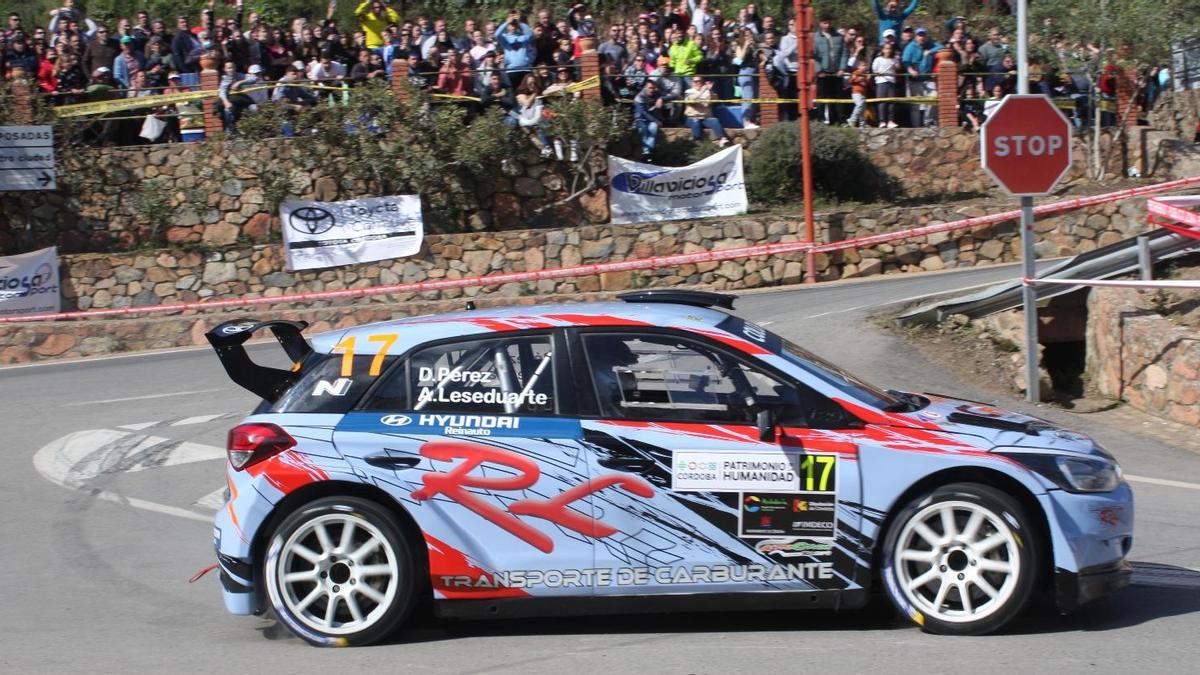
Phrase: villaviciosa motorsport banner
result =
(329, 234)
(714, 186)
(29, 283)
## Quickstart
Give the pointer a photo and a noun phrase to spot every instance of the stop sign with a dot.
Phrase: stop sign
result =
(1026, 145)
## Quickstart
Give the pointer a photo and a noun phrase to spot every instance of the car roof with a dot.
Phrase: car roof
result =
(411, 331)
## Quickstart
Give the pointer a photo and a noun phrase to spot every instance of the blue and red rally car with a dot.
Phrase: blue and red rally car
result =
(653, 454)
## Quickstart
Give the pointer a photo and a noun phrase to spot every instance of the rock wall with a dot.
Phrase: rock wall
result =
(219, 193)
(100, 281)
(1140, 357)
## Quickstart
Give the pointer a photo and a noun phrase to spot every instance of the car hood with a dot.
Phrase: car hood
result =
(999, 428)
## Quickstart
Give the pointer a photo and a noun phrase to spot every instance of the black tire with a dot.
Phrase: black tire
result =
(965, 567)
(336, 581)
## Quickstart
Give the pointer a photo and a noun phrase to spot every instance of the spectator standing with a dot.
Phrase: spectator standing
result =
(374, 17)
(480, 48)
(685, 55)
(994, 49)
(454, 77)
(745, 59)
(45, 73)
(20, 55)
(859, 80)
(918, 60)
(884, 68)
(1003, 75)
(101, 51)
(515, 39)
(70, 78)
(891, 17)
(128, 63)
(497, 94)
(703, 18)
(613, 49)
(785, 63)
(698, 112)
(183, 44)
(830, 55)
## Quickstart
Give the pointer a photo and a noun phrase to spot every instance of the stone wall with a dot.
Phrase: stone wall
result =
(1141, 357)
(1177, 112)
(217, 194)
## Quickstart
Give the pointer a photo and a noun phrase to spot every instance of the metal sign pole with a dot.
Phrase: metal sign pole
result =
(1028, 269)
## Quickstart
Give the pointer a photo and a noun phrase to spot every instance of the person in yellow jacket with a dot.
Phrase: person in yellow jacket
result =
(685, 55)
(375, 17)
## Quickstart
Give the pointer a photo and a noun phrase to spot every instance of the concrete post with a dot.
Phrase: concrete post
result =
(947, 89)
(22, 88)
(400, 80)
(210, 80)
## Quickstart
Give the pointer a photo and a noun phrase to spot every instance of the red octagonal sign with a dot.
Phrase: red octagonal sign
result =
(1026, 145)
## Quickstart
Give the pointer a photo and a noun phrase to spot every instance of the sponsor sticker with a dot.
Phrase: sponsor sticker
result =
(793, 547)
(793, 514)
(769, 471)
(639, 576)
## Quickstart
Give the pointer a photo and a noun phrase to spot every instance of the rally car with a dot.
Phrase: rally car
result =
(656, 453)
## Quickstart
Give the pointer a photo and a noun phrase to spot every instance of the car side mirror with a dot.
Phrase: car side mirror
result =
(766, 425)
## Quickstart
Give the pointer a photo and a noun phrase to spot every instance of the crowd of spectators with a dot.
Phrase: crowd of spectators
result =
(686, 64)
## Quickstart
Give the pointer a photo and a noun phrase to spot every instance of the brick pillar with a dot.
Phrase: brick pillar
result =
(947, 89)
(210, 80)
(589, 66)
(768, 113)
(1126, 91)
(22, 96)
(400, 80)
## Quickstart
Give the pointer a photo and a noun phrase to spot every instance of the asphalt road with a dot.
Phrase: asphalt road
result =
(98, 547)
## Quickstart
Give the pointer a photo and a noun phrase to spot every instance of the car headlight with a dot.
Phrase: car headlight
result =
(1072, 473)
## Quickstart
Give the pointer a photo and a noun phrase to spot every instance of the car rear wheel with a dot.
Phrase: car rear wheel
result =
(962, 560)
(340, 571)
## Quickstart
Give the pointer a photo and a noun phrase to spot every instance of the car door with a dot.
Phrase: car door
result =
(731, 511)
(471, 436)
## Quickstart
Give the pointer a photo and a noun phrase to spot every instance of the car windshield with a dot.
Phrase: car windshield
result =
(838, 377)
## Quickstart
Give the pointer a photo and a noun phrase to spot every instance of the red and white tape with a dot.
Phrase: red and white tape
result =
(622, 266)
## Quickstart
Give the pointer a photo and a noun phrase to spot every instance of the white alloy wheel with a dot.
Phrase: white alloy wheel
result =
(957, 561)
(340, 572)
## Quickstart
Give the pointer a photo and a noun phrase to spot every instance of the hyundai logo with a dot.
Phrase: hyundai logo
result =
(311, 220)
(396, 420)
(235, 328)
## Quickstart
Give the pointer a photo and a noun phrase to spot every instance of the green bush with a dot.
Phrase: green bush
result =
(841, 172)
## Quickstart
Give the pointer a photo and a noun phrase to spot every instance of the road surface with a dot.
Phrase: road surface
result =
(99, 544)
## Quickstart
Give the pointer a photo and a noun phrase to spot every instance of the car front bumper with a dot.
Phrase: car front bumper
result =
(1073, 589)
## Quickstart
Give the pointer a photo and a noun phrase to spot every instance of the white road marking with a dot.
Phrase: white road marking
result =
(142, 398)
(1164, 482)
(212, 501)
(139, 426)
(198, 419)
(76, 458)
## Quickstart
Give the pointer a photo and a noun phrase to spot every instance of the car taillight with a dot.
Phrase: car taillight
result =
(252, 443)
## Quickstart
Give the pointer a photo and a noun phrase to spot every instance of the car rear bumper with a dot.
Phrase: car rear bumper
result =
(1073, 589)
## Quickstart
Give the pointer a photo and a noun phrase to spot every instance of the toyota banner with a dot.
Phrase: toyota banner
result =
(29, 283)
(329, 234)
(714, 186)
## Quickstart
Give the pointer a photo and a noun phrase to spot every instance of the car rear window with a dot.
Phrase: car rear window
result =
(323, 389)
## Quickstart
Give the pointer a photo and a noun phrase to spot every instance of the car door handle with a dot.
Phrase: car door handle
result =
(631, 464)
(392, 462)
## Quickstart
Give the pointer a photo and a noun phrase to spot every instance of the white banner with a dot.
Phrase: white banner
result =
(329, 234)
(29, 283)
(714, 186)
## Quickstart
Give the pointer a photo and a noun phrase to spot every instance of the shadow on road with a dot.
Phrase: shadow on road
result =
(1158, 591)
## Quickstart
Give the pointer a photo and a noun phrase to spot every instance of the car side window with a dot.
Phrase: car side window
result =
(660, 377)
(492, 376)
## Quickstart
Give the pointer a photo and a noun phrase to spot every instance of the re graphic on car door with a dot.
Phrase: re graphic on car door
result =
(468, 436)
(731, 512)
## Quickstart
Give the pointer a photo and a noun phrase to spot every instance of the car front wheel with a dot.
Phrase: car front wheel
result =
(961, 560)
(340, 572)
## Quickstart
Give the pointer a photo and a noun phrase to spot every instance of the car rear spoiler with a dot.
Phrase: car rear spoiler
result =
(228, 340)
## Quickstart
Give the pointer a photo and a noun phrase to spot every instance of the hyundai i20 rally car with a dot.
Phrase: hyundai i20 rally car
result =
(652, 454)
